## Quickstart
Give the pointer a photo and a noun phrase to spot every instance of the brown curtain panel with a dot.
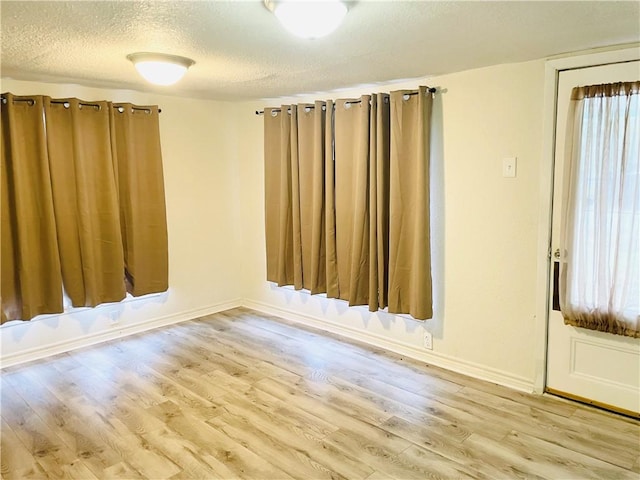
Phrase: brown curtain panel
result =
(85, 201)
(347, 200)
(31, 282)
(352, 198)
(78, 180)
(362, 199)
(410, 289)
(308, 194)
(278, 202)
(137, 161)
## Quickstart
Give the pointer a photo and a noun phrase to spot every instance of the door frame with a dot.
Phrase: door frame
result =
(553, 67)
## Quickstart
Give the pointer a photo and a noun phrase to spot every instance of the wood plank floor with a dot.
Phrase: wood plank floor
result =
(244, 395)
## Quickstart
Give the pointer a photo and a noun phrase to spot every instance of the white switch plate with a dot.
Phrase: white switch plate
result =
(509, 166)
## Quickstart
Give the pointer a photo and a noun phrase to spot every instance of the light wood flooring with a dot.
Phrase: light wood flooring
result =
(244, 395)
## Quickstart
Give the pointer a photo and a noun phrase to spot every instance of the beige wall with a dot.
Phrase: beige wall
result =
(201, 179)
(485, 229)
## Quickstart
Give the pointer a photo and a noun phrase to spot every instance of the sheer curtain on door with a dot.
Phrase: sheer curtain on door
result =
(338, 164)
(600, 239)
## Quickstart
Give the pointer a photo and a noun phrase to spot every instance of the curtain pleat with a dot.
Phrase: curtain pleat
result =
(286, 271)
(31, 278)
(298, 281)
(138, 165)
(333, 287)
(311, 127)
(379, 153)
(272, 192)
(278, 203)
(85, 201)
(410, 289)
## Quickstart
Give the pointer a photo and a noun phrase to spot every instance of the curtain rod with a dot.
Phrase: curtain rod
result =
(310, 107)
(120, 109)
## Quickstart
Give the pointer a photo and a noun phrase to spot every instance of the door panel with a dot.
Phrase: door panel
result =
(597, 367)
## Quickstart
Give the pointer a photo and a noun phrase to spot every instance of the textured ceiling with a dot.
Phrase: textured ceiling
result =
(242, 52)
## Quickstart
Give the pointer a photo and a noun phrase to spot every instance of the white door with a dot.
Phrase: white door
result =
(599, 368)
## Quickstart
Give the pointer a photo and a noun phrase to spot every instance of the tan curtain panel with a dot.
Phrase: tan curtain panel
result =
(85, 201)
(31, 282)
(354, 186)
(278, 203)
(352, 198)
(362, 199)
(308, 189)
(140, 184)
(410, 288)
(78, 178)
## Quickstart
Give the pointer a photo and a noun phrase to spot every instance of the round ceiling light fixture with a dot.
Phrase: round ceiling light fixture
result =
(308, 18)
(160, 68)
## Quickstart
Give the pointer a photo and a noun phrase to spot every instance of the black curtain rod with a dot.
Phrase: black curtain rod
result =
(84, 104)
(261, 112)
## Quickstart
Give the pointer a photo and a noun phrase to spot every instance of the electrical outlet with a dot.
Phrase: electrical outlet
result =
(428, 341)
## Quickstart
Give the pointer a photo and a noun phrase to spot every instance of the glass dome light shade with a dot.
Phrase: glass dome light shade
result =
(160, 69)
(309, 18)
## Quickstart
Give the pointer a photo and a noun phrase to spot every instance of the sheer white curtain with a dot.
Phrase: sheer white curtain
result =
(600, 241)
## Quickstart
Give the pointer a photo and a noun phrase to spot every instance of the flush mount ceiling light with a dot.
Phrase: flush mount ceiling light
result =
(160, 68)
(308, 18)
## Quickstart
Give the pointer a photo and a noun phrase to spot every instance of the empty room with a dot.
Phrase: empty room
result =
(320, 239)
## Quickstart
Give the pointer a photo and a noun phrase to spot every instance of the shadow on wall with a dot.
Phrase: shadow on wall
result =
(83, 320)
(436, 324)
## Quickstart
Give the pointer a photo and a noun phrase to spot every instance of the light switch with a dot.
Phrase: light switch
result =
(509, 167)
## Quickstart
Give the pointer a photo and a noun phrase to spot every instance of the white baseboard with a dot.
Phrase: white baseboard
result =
(104, 336)
(433, 358)
(448, 362)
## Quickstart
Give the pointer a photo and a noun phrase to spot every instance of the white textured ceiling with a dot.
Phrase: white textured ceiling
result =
(242, 52)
